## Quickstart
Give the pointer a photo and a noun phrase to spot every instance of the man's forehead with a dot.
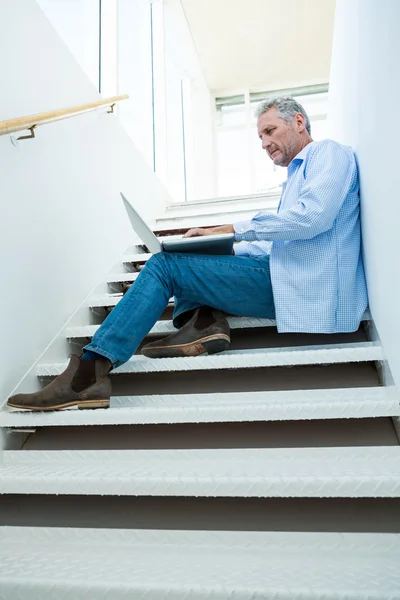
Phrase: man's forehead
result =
(270, 117)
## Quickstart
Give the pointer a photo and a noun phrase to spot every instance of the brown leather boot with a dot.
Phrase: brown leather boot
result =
(83, 384)
(205, 332)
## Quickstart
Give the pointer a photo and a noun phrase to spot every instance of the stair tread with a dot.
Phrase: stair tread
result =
(151, 564)
(225, 204)
(105, 300)
(167, 326)
(211, 219)
(339, 472)
(120, 277)
(136, 258)
(218, 215)
(232, 359)
(299, 405)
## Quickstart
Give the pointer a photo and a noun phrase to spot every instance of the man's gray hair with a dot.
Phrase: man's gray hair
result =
(286, 107)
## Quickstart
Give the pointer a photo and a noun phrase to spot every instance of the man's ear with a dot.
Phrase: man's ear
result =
(300, 121)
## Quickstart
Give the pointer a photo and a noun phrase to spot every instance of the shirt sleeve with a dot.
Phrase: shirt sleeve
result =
(259, 248)
(330, 174)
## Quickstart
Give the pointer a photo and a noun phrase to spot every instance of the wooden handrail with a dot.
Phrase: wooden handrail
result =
(23, 123)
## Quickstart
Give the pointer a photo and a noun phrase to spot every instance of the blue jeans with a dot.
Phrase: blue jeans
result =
(236, 285)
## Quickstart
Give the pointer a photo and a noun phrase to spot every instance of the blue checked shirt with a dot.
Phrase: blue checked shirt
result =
(316, 265)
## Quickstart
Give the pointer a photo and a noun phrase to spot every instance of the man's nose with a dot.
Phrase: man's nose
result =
(265, 143)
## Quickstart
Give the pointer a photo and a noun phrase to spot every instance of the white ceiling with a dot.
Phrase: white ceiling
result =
(261, 44)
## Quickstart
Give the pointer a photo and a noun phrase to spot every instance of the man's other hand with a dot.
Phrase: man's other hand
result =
(197, 231)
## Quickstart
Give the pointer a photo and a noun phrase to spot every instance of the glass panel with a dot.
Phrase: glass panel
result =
(109, 49)
(267, 175)
(174, 91)
(236, 162)
(77, 23)
(233, 163)
(319, 129)
(313, 104)
(233, 115)
(135, 73)
(175, 141)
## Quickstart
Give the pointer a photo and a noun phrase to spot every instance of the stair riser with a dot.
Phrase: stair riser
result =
(263, 337)
(295, 434)
(218, 514)
(236, 380)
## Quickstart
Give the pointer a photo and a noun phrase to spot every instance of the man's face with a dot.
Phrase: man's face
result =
(282, 141)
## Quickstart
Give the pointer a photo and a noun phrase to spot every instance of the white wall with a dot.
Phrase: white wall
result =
(364, 94)
(62, 223)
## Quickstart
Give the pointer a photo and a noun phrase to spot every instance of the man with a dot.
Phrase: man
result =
(312, 280)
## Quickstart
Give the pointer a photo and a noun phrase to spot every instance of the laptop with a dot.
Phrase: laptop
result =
(208, 244)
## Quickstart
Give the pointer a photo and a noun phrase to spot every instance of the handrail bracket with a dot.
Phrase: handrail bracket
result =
(28, 137)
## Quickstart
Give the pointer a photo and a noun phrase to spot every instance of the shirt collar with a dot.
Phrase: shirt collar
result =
(302, 155)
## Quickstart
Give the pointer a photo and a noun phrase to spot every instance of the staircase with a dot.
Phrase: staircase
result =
(271, 470)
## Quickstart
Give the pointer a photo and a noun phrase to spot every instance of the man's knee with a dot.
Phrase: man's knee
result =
(158, 264)
(157, 259)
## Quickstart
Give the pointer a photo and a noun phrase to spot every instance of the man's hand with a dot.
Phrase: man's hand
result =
(197, 231)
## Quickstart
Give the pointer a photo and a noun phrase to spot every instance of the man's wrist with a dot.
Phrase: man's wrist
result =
(223, 229)
(240, 228)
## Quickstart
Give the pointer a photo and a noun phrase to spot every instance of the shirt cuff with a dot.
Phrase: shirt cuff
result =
(241, 249)
(240, 229)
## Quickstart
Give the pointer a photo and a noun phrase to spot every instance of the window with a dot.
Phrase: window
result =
(243, 166)
(78, 23)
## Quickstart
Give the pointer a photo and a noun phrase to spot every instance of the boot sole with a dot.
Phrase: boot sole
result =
(207, 345)
(81, 404)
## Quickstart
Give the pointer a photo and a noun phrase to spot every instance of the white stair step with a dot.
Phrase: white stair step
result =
(103, 564)
(242, 359)
(120, 277)
(171, 223)
(183, 219)
(357, 472)
(136, 258)
(167, 326)
(347, 403)
(225, 204)
(105, 300)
